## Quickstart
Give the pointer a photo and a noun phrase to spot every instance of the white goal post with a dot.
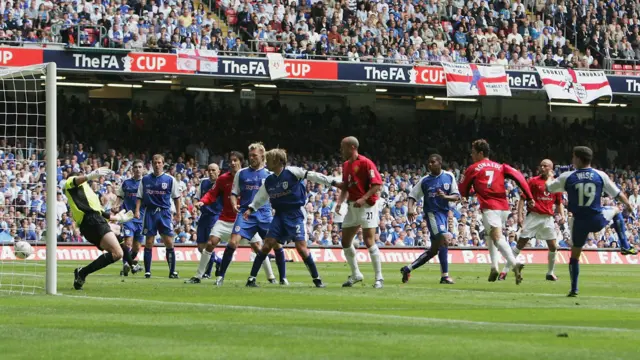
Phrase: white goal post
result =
(51, 141)
(28, 138)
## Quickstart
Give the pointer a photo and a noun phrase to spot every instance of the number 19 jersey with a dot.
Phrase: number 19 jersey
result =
(584, 189)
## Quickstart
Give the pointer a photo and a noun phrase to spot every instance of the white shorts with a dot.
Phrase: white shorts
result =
(494, 218)
(222, 230)
(541, 227)
(366, 216)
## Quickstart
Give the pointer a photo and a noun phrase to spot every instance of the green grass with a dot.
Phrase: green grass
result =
(161, 318)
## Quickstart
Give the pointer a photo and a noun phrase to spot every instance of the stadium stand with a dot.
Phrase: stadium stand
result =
(578, 34)
(400, 152)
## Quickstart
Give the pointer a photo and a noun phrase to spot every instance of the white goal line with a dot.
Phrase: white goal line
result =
(383, 317)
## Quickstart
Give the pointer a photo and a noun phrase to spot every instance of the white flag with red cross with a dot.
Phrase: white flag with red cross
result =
(578, 85)
(476, 80)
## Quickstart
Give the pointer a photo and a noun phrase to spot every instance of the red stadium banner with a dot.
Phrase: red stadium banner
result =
(430, 75)
(20, 56)
(66, 252)
(152, 63)
(311, 70)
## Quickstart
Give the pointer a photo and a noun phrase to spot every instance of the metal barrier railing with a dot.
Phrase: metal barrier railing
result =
(614, 67)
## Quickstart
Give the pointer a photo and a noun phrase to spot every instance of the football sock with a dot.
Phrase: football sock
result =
(507, 267)
(281, 263)
(374, 252)
(126, 255)
(171, 260)
(257, 263)
(574, 271)
(350, 254)
(148, 255)
(421, 260)
(551, 262)
(134, 255)
(618, 225)
(311, 266)
(125, 250)
(203, 266)
(493, 253)
(102, 261)
(210, 262)
(266, 266)
(226, 259)
(505, 250)
(443, 257)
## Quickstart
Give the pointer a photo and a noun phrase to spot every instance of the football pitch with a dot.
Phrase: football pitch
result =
(160, 318)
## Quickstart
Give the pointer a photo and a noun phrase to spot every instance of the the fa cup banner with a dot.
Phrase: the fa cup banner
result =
(577, 85)
(476, 80)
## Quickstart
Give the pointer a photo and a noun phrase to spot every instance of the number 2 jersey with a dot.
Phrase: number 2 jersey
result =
(487, 178)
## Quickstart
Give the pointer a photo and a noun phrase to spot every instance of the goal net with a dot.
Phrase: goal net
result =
(28, 178)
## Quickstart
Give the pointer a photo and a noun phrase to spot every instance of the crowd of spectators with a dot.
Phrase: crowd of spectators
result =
(576, 33)
(399, 151)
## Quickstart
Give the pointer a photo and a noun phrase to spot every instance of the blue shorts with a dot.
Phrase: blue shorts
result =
(205, 224)
(158, 221)
(247, 229)
(133, 229)
(287, 226)
(581, 226)
(437, 223)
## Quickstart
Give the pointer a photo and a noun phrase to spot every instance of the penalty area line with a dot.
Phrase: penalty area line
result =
(383, 317)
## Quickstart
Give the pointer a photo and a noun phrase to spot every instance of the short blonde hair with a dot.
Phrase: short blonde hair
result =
(157, 157)
(257, 146)
(278, 155)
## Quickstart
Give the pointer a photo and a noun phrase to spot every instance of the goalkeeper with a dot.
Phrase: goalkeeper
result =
(87, 212)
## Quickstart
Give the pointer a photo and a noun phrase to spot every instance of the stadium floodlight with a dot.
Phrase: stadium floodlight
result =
(455, 99)
(57, 77)
(381, 90)
(556, 103)
(267, 86)
(28, 116)
(220, 90)
(75, 84)
(611, 105)
(129, 86)
(158, 81)
(428, 96)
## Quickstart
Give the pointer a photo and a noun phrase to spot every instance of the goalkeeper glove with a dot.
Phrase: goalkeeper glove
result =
(123, 217)
(95, 174)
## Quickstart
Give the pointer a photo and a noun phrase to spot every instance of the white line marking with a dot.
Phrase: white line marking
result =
(415, 319)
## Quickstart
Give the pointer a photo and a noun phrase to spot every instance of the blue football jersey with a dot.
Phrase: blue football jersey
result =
(246, 184)
(287, 191)
(158, 191)
(428, 188)
(128, 192)
(214, 208)
(584, 189)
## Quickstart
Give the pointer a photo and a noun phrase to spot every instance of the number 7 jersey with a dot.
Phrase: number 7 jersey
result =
(584, 189)
(487, 178)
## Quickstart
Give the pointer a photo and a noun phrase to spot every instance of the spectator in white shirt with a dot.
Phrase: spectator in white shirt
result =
(634, 199)
(559, 41)
(515, 35)
(202, 155)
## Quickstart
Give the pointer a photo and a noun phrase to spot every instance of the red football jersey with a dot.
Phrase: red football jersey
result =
(359, 176)
(544, 200)
(222, 187)
(487, 178)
